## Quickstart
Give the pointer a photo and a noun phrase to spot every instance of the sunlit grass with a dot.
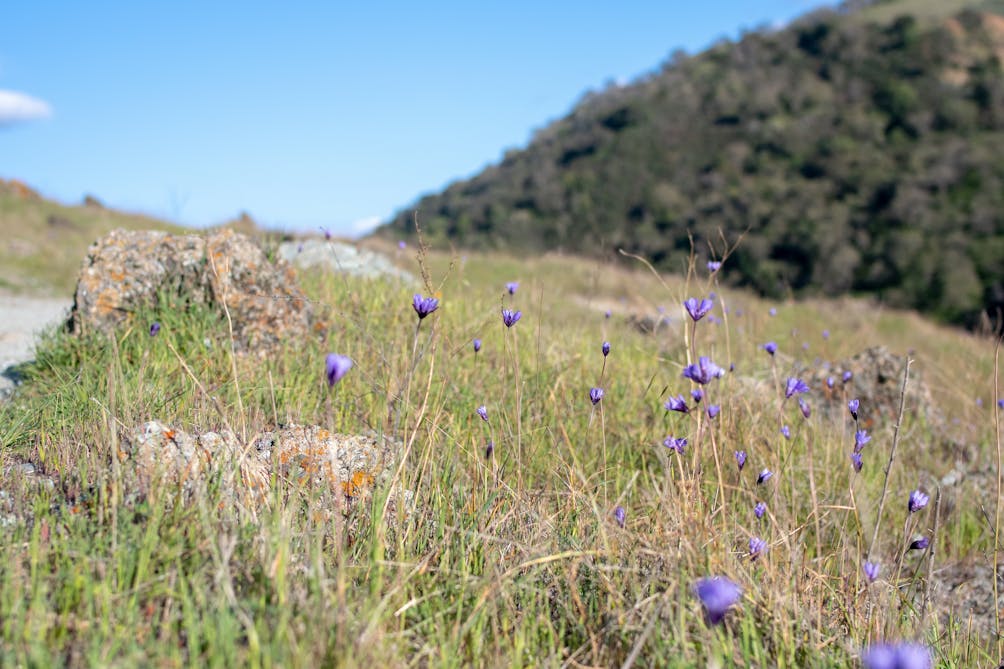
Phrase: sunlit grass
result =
(512, 560)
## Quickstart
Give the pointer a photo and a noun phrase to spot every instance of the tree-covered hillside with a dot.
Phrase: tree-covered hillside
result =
(856, 154)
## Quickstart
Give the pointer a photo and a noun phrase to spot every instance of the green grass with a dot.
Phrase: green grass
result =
(509, 562)
(44, 242)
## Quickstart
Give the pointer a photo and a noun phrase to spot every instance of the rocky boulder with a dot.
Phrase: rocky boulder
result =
(339, 257)
(876, 379)
(130, 270)
(306, 455)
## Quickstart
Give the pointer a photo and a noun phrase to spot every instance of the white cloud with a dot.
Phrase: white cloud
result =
(17, 107)
(365, 225)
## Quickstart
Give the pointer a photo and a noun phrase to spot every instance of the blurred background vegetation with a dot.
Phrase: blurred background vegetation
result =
(857, 150)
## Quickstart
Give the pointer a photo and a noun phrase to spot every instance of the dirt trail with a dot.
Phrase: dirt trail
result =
(21, 319)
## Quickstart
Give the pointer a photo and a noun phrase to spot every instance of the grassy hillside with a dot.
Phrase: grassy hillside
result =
(43, 242)
(514, 558)
(852, 153)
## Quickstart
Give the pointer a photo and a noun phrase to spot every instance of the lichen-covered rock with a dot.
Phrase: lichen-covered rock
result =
(129, 270)
(349, 465)
(340, 257)
(876, 379)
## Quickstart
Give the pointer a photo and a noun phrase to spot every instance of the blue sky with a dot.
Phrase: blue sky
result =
(311, 114)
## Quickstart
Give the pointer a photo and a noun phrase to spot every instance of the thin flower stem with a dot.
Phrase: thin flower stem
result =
(892, 457)
(997, 504)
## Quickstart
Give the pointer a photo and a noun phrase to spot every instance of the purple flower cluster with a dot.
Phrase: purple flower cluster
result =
(717, 594)
(510, 317)
(677, 404)
(903, 655)
(794, 386)
(674, 444)
(424, 305)
(703, 372)
(595, 395)
(335, 367)
(698, 309)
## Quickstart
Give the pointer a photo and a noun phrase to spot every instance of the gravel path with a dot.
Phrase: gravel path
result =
(21, 318)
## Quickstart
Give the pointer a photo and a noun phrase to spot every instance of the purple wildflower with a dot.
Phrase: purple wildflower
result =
(920, 544)
(698, 310)
(327, 232)
(829, 382)
(764, 476)
(1000, 403)
(770, 347)
(714, 266)
(794, 386)
(713, 411)
(896, 656)
(154, 328)
(483, 412)
(605, 348)
(871, 570)
(477, 345)
(335, 367)
(804, 407)
(674, 444)
(786, 431)
(757, 547)
(856, 461)
(510, 317)
(424, 305)
(704, 371)
(490, 449)
(607, 314)
(717, 594)
(760, 509)
(677, 404)
(772, 311)
(847, 376)
(861, 437)
(595, 394)
(917, 501)
(401, 245)
(511, 287)
(826, 334)
(853, 407)
(619, 515)
(697, 394)
(741, 459)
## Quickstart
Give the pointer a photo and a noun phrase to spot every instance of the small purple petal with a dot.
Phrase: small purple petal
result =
(335, 367)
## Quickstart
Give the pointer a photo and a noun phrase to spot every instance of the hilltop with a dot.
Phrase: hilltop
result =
(44, 241)
(852, 152)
